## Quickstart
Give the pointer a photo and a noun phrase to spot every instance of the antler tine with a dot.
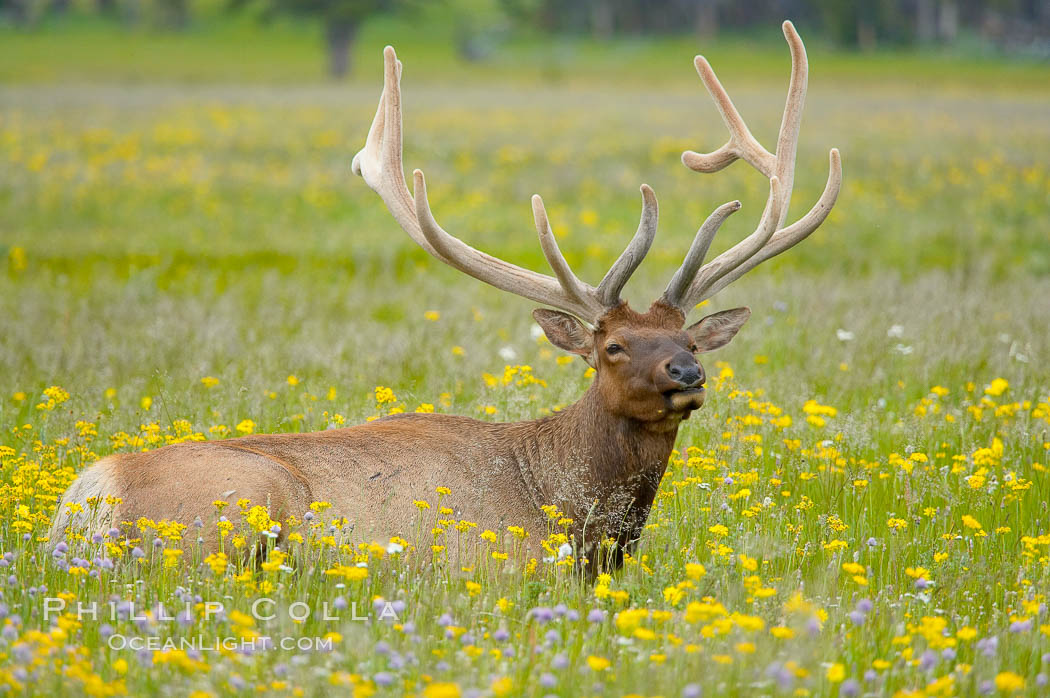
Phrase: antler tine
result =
(794, 233)
(549, 244)
(770, 238)
(616, 278)
(741, 143)
(787, 140)
(735, 256)
(380, 164)
(698, 250)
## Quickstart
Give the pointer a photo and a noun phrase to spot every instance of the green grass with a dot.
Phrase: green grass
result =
(155, 235)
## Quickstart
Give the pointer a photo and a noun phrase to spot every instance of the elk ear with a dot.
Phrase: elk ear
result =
(717, 330)
(565, 332)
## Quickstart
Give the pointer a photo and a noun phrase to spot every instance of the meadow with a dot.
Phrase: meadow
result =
(859, 509)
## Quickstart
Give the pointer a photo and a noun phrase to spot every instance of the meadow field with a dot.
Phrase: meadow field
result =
(859, 509)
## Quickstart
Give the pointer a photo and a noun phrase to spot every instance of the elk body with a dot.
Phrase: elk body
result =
(600, 461)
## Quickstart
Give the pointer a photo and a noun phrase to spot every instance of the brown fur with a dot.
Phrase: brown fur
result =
(600, 460)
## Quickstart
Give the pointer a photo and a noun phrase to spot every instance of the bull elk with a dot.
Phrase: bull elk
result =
(600, 460)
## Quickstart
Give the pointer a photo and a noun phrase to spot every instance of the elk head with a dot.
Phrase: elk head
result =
(645, 362)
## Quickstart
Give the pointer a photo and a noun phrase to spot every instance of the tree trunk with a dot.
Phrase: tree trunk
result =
(948, 21)
(176, 14)
(925, 21)
(602, 20)
(132, 13)
(866, 35)
(707, 19)
(340, 35)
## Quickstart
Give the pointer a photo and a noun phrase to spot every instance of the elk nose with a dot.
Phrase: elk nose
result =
(683, 369)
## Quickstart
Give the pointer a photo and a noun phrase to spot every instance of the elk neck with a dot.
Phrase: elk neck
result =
(591, 463)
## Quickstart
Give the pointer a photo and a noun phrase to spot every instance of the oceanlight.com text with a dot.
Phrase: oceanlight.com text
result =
(199, 643)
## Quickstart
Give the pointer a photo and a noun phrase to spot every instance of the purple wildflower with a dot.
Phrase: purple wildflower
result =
(782, 675)
(928, 660)
(988, 646)
(542, 614)
(1021, 626)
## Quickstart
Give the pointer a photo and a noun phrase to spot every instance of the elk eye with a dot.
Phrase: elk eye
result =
(613, 348)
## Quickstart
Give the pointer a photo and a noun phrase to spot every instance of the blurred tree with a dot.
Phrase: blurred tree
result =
(603, 18)
(172, 14)
(865, 24)
(341, 20)
(479, 24)
(706, 21)
(15, 11)
(607, 18)
(948, 20)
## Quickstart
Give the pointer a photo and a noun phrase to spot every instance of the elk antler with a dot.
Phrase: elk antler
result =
(693, 283)
(379, 163)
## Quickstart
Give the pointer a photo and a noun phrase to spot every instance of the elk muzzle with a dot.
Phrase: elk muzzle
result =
(686, 378)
